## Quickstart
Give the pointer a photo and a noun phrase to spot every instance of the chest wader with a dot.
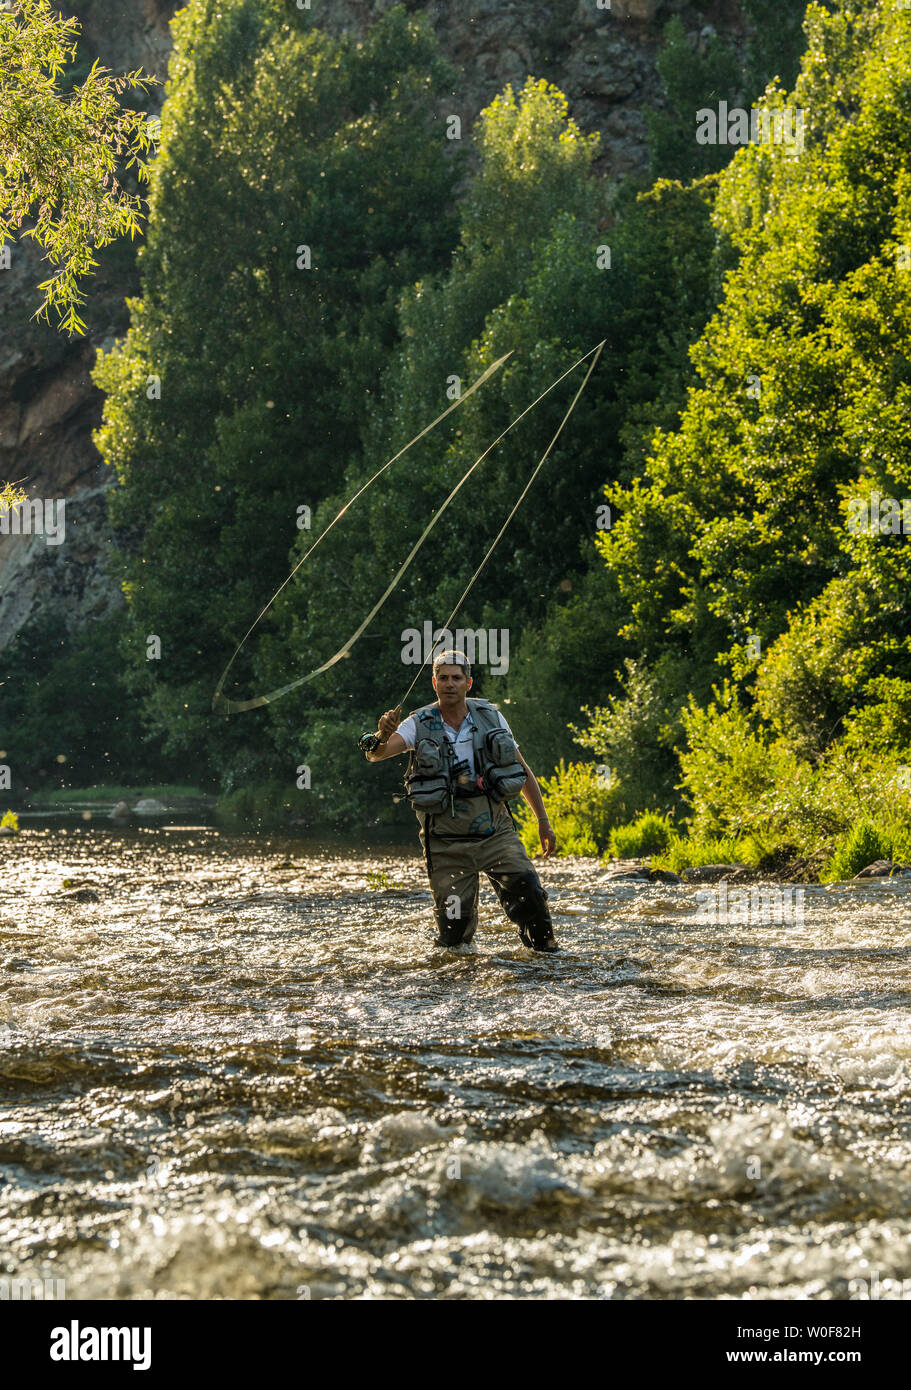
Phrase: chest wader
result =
(434, 792)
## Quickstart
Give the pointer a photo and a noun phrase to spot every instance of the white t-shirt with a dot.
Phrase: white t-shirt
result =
(461, 739)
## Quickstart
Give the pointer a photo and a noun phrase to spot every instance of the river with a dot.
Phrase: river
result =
(237, 1067)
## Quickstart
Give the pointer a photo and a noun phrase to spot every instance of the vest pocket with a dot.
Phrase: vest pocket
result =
(427, 782)
(504, 776)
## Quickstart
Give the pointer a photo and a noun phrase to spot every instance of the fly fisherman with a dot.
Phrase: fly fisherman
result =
(464, 765)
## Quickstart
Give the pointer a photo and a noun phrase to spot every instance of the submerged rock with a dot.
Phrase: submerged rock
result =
(883, 868)
(642, 874)
(83, 895)
(150, 807)
(712, 873)
(121, 812)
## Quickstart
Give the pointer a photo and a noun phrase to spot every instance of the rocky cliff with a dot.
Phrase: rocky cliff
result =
(602, 58)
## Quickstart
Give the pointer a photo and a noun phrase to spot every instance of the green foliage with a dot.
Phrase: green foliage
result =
(275, 137)
(690, 851)
(729, 466)
(775, 43)
(811, 676)
(61, 148)
(10, 821)
(583, 806)
(863, 844)
(741, 780)
(691, 80)
(648, 834)
(553, 666)
(653, 316)
(882, 727)
(729, 769)
(524, 256)
(634, 734)
(803, 404)
(791, 374)
(885, 835)
(270, 805)
(380, 880)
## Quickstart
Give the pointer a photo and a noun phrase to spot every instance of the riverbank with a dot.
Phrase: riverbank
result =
(148, 799)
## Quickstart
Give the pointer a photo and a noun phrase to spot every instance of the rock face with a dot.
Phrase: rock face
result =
(603, 59)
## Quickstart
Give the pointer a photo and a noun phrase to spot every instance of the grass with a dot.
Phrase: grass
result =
(686, 853)
(378, 878)
(650, 834)
(863, 844)
(53, 797)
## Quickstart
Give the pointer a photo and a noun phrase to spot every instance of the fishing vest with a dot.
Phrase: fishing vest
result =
(430, 785)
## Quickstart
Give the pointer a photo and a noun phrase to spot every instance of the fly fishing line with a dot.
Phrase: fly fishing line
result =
(237, 706)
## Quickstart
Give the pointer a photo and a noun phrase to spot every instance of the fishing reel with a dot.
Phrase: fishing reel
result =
(367, 742)
(461, 776)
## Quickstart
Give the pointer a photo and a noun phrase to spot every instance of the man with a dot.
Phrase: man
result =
(476, 832)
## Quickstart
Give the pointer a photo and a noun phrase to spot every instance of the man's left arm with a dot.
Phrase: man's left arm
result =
(532, 793)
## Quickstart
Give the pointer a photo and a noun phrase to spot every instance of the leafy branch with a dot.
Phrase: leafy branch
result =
(11, 495)
(60, 151)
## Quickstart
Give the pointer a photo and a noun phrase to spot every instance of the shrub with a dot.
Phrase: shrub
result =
(812, 673)
(635, 732)
(648, 835)
(11, 820)
(684, 852)
(583, 804)
(864, 843)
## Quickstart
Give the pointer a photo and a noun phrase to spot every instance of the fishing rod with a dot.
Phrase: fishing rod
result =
(522, 495)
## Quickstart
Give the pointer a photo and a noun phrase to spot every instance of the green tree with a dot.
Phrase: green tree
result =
(280, 234)
(691, 80)
(63, 708)
(662, 288)
(803, 407)
(707, 557)
(694, 79)
(524, 277)
(546, 298)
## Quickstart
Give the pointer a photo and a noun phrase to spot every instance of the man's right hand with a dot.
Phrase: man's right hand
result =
(389, 722)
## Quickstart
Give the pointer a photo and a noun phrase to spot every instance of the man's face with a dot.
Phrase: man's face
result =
(451, 684)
